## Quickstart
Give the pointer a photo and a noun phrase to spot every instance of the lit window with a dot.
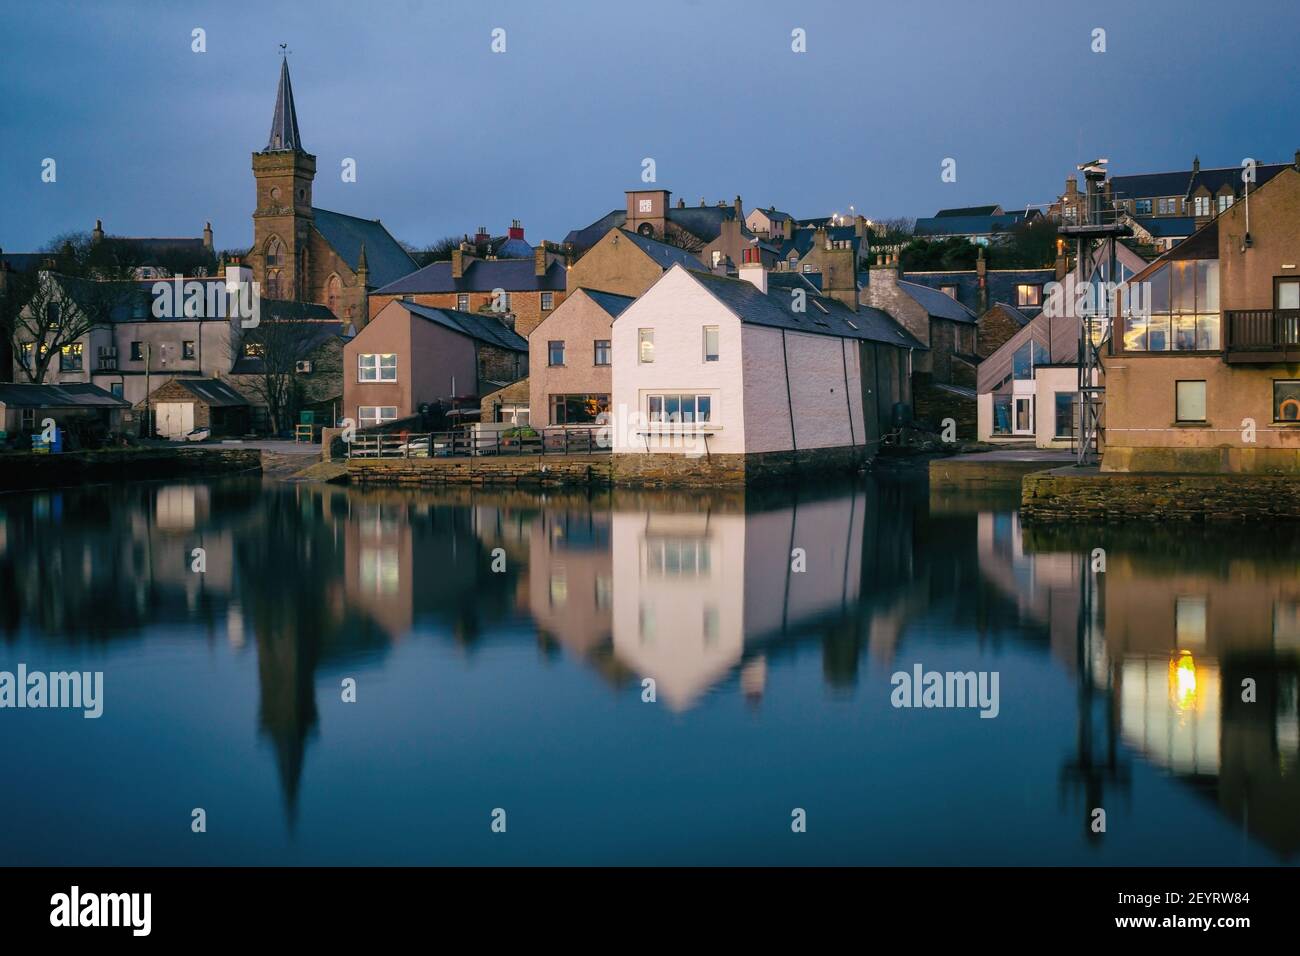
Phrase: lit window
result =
(1190, 401)
(645, 346)
(1179, 309)
(710, 343)
(949, 290)
(578, 409)
(1286, 401)
(70, 357)
(374, 367)
(1029, 295)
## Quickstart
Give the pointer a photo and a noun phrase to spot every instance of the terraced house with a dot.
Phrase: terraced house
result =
(1208, 379)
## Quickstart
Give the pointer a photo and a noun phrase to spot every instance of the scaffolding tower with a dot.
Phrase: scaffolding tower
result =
(1095, 232)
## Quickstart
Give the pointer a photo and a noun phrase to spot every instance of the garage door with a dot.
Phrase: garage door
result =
(175, 419)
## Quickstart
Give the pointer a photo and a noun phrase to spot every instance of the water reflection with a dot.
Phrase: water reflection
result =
(713, 596)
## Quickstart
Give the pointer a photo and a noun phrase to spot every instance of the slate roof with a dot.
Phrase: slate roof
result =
(24, 261)
(1214, 179)
(58, 396)
(612, 303)
(386, 260)
(511, 248)
(212, 391)
(822, 315)
(481, 275)
(938, 304)
(1168, 227)
(663, 253)
(1001, 284)
(993, 210)
(1184, 182)
(704, 222)
(481, 327)
(801, 240)
(966, 225)
(776, 215)
(284, 122)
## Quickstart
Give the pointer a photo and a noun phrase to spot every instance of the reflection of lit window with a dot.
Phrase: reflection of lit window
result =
(379, 570)
(1189, 622)
(646, 623)
(559, 587)
(678, 557)
(604, 591)
(1286, 625)
(710, 626)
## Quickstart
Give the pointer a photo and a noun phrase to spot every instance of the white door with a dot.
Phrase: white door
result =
(175, 419)
(1022, 415)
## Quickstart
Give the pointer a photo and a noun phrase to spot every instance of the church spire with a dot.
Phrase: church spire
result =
(284, 125)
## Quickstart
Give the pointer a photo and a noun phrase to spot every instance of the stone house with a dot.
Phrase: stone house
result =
(1204, 375)
(517, 292)
(626, 263)
(934, 318)
(411, 355)
(185, 404)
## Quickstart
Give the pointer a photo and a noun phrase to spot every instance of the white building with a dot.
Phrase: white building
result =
(706, 365)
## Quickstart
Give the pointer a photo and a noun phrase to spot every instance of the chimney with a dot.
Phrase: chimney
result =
(751, 269)
(539, 260)
(681, 203)
(516, 230)
(97, 234)
(981, 277)
(207, 236)
(481, 236)
(740, 209)
(1196, 165)
(458, 262)
(840, 274)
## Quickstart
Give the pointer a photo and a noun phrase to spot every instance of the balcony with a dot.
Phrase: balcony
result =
(1263, 337)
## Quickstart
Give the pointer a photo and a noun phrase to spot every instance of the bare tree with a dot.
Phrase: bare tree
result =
(439, 251)
(266, 359)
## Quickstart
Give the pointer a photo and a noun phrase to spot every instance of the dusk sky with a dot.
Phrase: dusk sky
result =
(447, 135)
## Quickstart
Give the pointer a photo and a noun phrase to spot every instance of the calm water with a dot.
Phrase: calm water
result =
(522, 689)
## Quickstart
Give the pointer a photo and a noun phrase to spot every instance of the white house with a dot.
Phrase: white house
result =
(709, 366)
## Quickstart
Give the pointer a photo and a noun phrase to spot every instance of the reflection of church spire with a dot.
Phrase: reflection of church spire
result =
(286, 666)
(284, 124)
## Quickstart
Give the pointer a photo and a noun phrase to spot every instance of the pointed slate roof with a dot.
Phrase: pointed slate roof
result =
(386, 260)
(284, 124)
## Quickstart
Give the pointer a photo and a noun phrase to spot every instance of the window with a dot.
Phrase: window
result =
(115, 389)
(1067, 405)
(1189, 621)
(25, 355)
(273, 283)
(645, 346)
(1225, 201)
(254, 350)
(675, 407)
(187, 350)
(1142, 207)
(1182, 298)
(555, 352)
(29, 419)
(548, 301)
(710, 343)
(1288, 294)
(949, 290)
(462, 302)
(377, 367)
(717, 258)
(137, 351)
(333, 292)
(1189, 401)
(368, 415)
(643, 205)
(1029, 355)
(70, 357)
(1201, 205)
(602, 351)
(1286, 401)
(1002, 414)
(678, 557)
(578, 409)
(1031, 295)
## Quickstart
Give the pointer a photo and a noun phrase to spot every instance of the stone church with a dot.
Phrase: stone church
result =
(306, 254)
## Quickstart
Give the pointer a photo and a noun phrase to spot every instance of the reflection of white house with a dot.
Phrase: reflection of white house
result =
(729, 366)
(696, 593)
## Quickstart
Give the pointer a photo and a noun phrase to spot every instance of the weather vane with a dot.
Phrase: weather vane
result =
(284, 49)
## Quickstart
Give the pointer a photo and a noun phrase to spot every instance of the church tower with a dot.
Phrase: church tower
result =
(282, 222)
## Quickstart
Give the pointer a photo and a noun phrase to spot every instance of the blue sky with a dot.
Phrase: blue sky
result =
(155, 139)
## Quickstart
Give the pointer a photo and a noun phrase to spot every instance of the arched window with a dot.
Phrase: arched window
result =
(333, 293)
(273, 284)
(274, 253)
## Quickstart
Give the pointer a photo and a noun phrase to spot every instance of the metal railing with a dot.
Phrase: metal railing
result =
(469, 444)
(1263, 330)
